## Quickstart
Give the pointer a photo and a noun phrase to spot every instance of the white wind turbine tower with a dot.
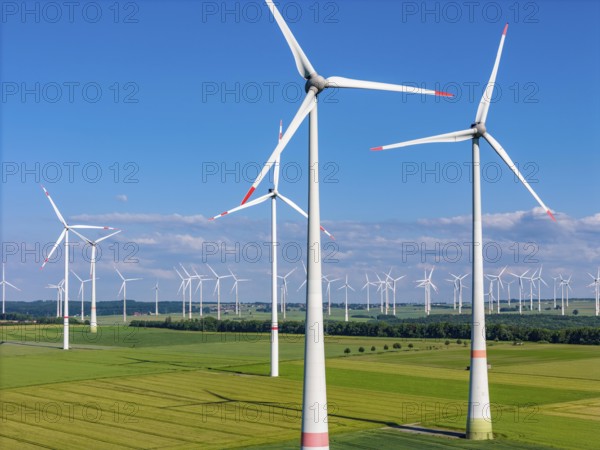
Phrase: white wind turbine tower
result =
(201, 279)
(81, 291)
(238, 309)
(124, 289)
(540, 280)
(478, 425)
(508, 283)
(520, 278)
(380, 289)
(394, 281)
(595, 284)
(367, 285)
(490, 294)
(64, 235)
(498, 280)
(182, 288)
(346, 286)
(218, 289)
(427, 284)
(284, 291)
(328, 292)
(59, 288)
(189, 286)
(565, 285)
(273, 194)
(454, 282)
(94, 245)
(531, 280)
(461, 286)
(314, 433)
(554, 289)
(156, 289)
(5, 283)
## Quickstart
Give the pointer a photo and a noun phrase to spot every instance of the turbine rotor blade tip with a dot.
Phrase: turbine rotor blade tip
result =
(551, 215)
(443, 94)
(250, 192)
(505, 29)
(376, 149)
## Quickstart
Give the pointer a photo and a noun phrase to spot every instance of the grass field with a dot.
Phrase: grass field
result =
(155, 388)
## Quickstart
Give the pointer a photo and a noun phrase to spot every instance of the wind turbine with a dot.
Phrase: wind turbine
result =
(531, 285)
(328, 292)
(284, 291)
(189, 285)
(508, 283)
(454, 282)
(5, 283)
(498, 280)
(394, 281)
(64, 235)
(461, 286)
(182, 288)
(490, 294)
(273, 194)
(314, 433)
(201, 279)
(427, 284)
(81, 291)
(367, 285)
(478, 425)
(595, 284)
(156, 289)
(380, 289)
(540, 280)
(235, 286)
(520, 278)
(94, 245)
(565, 286)
(59, 289)
(218, 289)
(554, 289)
(346, 286)
(124, 289)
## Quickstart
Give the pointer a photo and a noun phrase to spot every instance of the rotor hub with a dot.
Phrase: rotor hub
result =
(317, 82)
(479, 127)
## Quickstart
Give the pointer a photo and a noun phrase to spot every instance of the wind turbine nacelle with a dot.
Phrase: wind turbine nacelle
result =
(480, 128)
(316, 81)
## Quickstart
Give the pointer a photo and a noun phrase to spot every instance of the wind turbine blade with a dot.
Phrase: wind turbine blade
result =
(292, 204)
(56, 244)
(120, 274)
(12, 285)
(484, 104)
(76, 276)
(122, 286)
(82, 237)
(211, 269)
(307, 105)
(502, 153)
(58, 214)
(278, 160)
(107, 236)
(91, 227)
(305, 68)
(455, 136)
(246, 205)
(341, 82)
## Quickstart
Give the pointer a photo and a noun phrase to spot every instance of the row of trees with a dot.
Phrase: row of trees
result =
(404, 329)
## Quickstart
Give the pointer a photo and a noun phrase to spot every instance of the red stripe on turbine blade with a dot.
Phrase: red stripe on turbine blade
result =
(376, 149)
(315, 439)
(505, 29)
(443, 94)
(551, 215)
(250, 192)
(225, 213)
(478, 354)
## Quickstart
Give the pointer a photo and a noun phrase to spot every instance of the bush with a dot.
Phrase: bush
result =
(410, 345)
(373, 348)
(361, 349)
(447, 342)
(385, 347)
(575, 312)
(459, 341)
(346, 350)
(397, 345)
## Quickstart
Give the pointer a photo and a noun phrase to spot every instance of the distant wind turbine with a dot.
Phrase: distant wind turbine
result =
(218, 289)
(124, 290)
(5, 283)
(81, 291)
(520, 278)
(284, 291)
(346, 286)
(156, 289)
(236, 283)
(595, 284)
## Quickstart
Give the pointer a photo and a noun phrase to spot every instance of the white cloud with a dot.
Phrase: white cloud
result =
(121, 198)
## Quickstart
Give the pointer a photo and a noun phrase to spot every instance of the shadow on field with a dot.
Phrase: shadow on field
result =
(413, 428)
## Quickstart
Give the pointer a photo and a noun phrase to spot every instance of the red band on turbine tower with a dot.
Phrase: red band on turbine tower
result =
(478, 354)
(315, 439)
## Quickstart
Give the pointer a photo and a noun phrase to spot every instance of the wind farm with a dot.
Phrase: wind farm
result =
(451, 310)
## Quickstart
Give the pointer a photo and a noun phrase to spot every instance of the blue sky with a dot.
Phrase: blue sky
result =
(164, 111)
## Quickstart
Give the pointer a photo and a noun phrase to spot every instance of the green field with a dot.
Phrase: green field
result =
(155, 388)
